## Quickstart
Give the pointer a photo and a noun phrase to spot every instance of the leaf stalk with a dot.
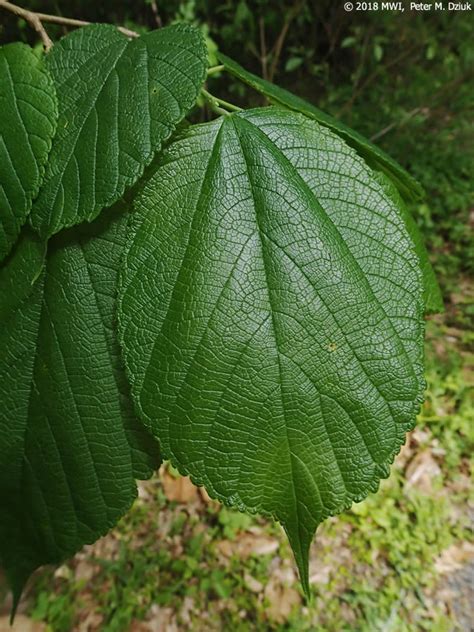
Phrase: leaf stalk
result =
(219, 105)
(213, 70)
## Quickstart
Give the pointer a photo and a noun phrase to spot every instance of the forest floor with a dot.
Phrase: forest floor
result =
(401, 561)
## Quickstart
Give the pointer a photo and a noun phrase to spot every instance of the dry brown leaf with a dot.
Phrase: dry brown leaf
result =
(282, 599)
(92, 623)
(186, 610)
(253, 584)
(63, 572)
(107, 548)
(206, 498)
(421, 471)
(22, 624)
(321, 574)
(248, 544)
(147, 489)
(138, 626)
(85, 570)
(454, 557)
(180, 490)
(161, 620)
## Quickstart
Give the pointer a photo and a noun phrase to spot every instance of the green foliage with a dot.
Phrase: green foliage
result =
(270, 310)
(68, 465)
(375, 156)
(110, 127)
(379, 558)
(28, 121)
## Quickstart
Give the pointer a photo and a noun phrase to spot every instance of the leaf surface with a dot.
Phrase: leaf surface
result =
(270, 312)
(70, 445)
(27, 124)
(373, 155)
(118, 101)
(432, 296)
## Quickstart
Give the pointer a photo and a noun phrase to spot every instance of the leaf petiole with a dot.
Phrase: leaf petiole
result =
(215, 69)
(219, 105)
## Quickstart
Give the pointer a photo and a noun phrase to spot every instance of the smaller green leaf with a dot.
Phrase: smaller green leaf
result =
(293, 63)
(378, 52)
(27, 124)
(119, 99)
(349, 41)
(372, 154)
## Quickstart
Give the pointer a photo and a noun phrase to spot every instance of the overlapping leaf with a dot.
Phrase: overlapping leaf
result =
(70, 445)
(373, 155)
(27, 123)
(271, 318)
(118, 101)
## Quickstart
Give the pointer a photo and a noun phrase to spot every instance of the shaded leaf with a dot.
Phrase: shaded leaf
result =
(432, 296)
(27, 124)
(69, 443)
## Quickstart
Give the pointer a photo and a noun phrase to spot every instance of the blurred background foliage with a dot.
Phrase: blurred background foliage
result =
(403, 559)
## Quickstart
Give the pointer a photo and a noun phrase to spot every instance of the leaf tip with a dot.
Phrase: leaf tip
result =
(300, 542)
(17, 584)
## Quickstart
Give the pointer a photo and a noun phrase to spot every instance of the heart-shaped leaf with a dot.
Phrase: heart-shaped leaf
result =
(27, 124)
(70, 445)
(270, 311)
(118, 101)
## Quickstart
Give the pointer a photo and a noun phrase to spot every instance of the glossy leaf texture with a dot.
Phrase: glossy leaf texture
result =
(28, 119)
(70, 445)
(119, 99)
(373, 156)
(270, 313)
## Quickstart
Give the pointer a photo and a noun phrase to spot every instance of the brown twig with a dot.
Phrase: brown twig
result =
(263, 48)
(32, 19)
(368, 80)
(154, 8)
(36, 21)
(394, 124)
(427, 109)
(278, 46)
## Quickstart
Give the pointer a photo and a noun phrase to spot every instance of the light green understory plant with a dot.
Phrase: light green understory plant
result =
(243, 297)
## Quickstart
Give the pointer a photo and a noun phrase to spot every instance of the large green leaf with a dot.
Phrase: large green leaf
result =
(118, 101)
(27, 123)
(270, 311)
(69, 443)
(373, 155)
